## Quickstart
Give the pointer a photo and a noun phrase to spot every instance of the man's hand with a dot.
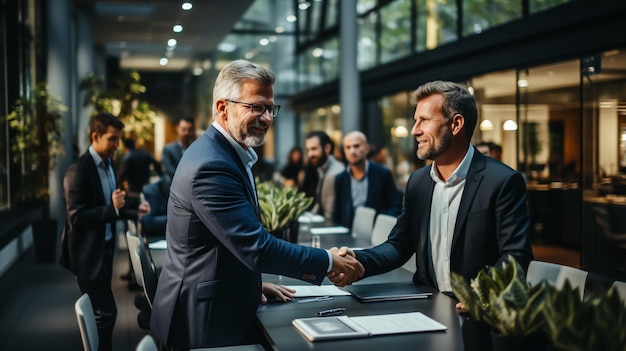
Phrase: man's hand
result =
(143, 209)
(346, 269)
(279, 292)
(118, 198)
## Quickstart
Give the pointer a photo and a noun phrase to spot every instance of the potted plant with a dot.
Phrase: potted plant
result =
(540, 317)
(35, 124)
(502, 299)
(280, 209)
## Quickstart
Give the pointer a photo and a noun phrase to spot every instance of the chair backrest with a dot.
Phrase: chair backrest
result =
(410, 265)
(147, 343)
(87, 323)
(621, 289)
(132, 241)
(382, 227)
(148, 272)
(556, 275)
(363, 222)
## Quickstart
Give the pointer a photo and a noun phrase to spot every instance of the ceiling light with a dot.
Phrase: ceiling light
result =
(279, 29)
(400, 132)
(304, 5)
(264, 42)
(317, 52)
(249, 55)
(522, 83)
(171, 42)
(226, 47)
(197, 71)
(291, 18)
(163, 61)
(509, 124)
(187, 6)
(486, 125)
(177, 28)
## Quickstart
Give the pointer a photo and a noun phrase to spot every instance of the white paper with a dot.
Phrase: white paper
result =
(329, 230)
(158, 245)
(396, 323)
(314, 290)
(308, 217)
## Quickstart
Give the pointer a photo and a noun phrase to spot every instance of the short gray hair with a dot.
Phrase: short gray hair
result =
(456, 99)
(230, 79)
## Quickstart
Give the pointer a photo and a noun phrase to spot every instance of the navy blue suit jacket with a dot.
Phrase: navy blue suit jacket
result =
(210, 284)
(382, 194)
(492, 221)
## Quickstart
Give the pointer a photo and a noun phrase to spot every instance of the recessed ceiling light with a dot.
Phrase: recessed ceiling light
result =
(197, 71)
(171, 42)
(279, 29)
(264, 41)
(291, 18)
(177, 28)
(187, 6)
(163, 61)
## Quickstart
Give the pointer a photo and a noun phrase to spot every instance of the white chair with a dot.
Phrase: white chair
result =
(556, 275)
(148, 273)
(132, 241)
(382, 227)
(147, 343)
(363, 222)
(621, 289)
(87, 323)
(410, 265)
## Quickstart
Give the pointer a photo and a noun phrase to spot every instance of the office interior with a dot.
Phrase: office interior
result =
(549, 77)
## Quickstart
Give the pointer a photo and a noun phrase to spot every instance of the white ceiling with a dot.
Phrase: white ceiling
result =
(137, 31)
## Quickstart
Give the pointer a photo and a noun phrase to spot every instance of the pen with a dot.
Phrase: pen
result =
(331, 312)
(316, 299)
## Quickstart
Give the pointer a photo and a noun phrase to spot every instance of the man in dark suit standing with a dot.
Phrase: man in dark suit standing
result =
(93, 205)
(461, 213)
(210, 285)
(363, 183)
(172, 152)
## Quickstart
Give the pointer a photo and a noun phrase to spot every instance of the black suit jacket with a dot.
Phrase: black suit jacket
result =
(492, 221)
(82, 244)
(382, 195)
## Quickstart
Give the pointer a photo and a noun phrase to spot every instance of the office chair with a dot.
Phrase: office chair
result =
(363, 222)
(556, 275)
(382, 227)
(621, 289)
(87, 323)
(148, 272)
(132, 241)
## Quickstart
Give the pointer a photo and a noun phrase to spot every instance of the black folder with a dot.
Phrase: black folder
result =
(387, 292)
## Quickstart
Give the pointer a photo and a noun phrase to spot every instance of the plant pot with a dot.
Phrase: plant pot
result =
(535, 342)
(45, 239)
(288, 233)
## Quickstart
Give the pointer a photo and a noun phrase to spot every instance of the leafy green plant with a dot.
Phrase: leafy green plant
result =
(280, 206)
(35, 123)
(502, 299)
(595, 323)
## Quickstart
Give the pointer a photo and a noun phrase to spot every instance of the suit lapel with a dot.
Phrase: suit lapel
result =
(214, 133)
(474, 178)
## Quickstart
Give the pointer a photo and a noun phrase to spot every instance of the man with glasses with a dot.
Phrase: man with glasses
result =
(210, 284)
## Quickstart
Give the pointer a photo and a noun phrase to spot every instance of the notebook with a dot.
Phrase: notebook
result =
(344, 327)
(387, 292)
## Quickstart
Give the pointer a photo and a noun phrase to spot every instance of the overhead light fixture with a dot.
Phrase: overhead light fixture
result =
(400, 132)
(171, 43)
(291, 18)
(163, 61)
(304, 5)
(177, 28)
(264, 42)
(317, 52)
(486, 125)
(198, 71)
(509, 124)
(187, 6)
(522, 83)
(279, 29)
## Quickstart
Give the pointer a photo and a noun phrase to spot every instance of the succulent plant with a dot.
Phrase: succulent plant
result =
(502, 299)
(280, 206)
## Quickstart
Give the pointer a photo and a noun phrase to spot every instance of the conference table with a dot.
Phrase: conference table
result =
(276, 318)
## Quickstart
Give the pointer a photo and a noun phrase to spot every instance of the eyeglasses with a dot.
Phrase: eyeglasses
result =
(259, 109)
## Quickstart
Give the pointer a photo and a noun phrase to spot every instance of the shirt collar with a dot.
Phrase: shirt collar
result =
(248, 157)
(96, 156)
(367, 167)
(460, 173)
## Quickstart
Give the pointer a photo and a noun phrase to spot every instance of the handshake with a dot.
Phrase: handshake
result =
(346, 269)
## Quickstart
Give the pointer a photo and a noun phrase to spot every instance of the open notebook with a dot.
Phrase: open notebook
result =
(387, 292)
(344, 327)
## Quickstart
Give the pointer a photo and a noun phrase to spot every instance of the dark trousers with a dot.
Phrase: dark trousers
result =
(101, 295)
